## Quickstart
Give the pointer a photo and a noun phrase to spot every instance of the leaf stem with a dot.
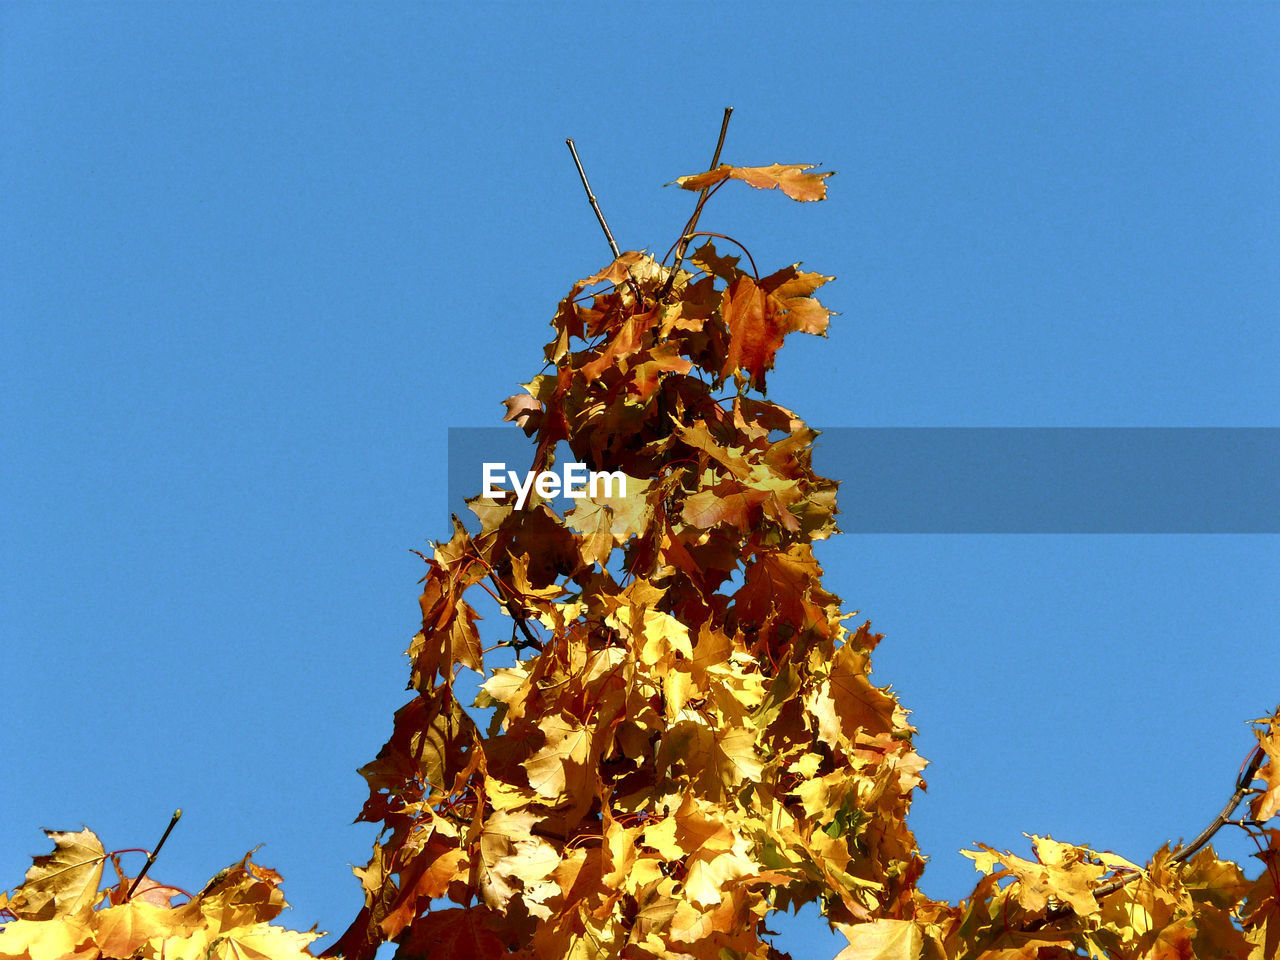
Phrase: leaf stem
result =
(707, 233)
(151, 857)
(692, 225)
(506, 596)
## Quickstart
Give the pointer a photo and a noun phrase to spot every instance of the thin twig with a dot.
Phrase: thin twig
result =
(506, 596)
(697, 210)
(151, 857)
(608, 234)
(591, 198)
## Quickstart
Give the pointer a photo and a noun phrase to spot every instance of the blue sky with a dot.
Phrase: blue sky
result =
(257, 258)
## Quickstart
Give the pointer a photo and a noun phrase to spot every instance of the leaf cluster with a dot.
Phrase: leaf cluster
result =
(688, 738)
(62, 911)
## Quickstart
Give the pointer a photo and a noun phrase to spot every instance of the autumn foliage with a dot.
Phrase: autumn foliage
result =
(687, 739)
(62, 911)
(679, 738)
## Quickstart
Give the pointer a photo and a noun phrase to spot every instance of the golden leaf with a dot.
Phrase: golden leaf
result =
(881, 939)
(790, 178)
(64, 938)
(63, 883)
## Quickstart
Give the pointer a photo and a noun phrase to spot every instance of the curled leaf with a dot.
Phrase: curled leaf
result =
(790, 178)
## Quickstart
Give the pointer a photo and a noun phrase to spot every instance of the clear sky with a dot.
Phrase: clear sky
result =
(258, 257)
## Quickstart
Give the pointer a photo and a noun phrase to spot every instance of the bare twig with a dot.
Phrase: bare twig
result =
(595, 205)
(591, 198)
(692, 225)
(151, 857)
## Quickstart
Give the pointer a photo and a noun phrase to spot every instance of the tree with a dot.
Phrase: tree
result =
(684, 735)
(674, 754)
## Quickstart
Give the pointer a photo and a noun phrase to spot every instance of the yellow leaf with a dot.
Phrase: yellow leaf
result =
(62, 883)
(259, 941)
(593, 520)
(1070, 878)
(122, 930)
(881, 940)
(66, 938)
(567, 744)
(511, 856)
(1267, 804)
(734, 759)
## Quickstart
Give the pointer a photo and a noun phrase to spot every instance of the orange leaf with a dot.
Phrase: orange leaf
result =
(790, 178)
(755, 329)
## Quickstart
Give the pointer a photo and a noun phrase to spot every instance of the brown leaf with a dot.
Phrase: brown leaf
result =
(454, 934)
(525, 410)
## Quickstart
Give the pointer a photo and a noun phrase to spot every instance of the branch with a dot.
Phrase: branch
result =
(692, 225)
(591, 199)
(1186, 851)
(1224, 816)
(608, 234)
(519, 615)
(151, 857)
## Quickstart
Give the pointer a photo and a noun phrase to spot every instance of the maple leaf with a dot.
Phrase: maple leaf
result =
(64, 882)
(228, 919)
(427, 863)
(1063, 873)
(427, 748)
(609, 521)
(728, 502)
(361, 939)
(790, 178)
(259, 941)
(123, 930)
(846, 702)
(756, 329)
(525, 410)
(707, 259)
(882, 939)
(792, 290)
(562, 758)
(66, 938)
(504, 838)
(455, 933)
